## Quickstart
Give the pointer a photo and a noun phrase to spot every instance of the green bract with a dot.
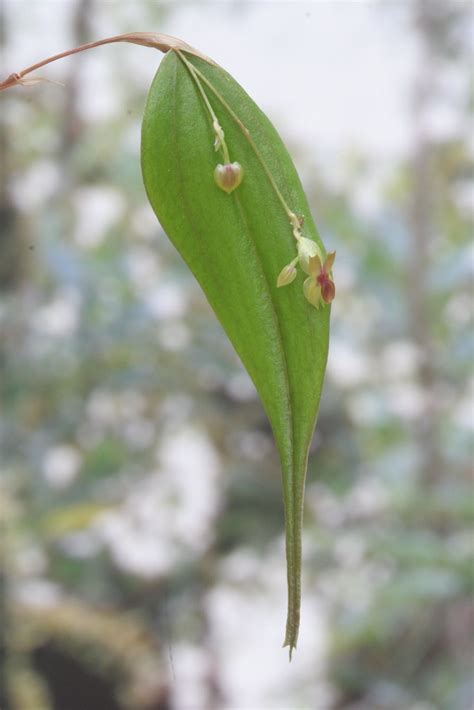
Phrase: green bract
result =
(236, 245)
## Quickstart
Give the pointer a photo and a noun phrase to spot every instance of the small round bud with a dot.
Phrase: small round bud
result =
(228, 176)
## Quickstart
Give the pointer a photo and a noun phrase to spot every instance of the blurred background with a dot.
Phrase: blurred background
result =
(142, 551)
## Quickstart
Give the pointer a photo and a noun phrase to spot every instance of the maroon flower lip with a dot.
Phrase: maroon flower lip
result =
(319, 288)
(328, 287)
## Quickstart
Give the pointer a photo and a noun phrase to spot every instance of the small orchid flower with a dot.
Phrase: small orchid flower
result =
(319, 289)
(306, 249)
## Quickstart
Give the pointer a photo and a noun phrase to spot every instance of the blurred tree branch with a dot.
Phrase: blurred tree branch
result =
(434, 24)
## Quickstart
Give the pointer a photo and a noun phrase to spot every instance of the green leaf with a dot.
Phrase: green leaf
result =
(236, 246)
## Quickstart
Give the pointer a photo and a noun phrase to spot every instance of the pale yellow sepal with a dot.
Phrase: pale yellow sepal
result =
(312, 292)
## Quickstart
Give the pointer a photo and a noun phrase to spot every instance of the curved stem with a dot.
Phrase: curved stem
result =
(148, 39)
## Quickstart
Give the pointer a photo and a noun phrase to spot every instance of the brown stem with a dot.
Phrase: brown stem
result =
(148, 39)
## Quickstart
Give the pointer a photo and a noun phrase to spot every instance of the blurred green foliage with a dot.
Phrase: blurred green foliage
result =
(108, 351)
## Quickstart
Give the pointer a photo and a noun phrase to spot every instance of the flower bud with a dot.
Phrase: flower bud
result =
(287, 274)
(228, 176)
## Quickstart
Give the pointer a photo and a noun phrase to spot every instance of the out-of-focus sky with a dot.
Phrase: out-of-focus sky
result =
(299, 60)
(331, 75)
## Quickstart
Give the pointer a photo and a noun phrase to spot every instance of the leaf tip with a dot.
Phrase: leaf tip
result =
(291, 647)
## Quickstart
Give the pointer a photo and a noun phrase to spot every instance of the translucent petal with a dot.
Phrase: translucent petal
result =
(306, 250)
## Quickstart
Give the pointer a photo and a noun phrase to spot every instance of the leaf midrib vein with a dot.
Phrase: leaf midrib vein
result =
(268, 297)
